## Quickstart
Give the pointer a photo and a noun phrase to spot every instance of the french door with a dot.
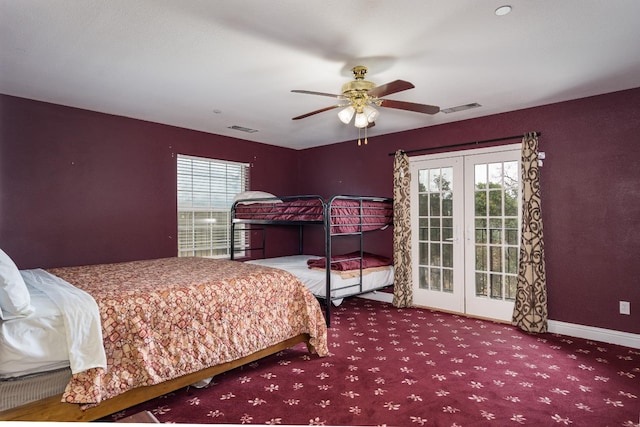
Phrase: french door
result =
(465, 214)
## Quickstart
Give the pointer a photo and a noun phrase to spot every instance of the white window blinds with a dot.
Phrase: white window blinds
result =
(206, 188)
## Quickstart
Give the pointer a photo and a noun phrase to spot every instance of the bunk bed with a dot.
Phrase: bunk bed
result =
(155, 326)
(326, 275)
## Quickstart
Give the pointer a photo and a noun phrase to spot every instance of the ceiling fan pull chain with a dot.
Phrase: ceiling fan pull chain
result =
(359, 143)
(365, 137)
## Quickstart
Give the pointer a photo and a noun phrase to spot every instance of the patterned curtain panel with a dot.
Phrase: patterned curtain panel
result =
(530, 311)
(402, 288)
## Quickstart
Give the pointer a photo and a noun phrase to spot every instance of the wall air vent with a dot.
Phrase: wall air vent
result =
(243, 129)
(461, 108)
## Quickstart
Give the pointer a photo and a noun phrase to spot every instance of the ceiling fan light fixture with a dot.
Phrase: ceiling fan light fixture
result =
(361, 121)
(371, 113)
(346, 114)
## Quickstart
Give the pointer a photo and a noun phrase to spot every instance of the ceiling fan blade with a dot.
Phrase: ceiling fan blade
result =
(389, 88)
(310, 92)
(410, 106)
(322, 110)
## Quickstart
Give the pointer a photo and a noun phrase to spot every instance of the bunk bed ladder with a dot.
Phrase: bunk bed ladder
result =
(327, 254)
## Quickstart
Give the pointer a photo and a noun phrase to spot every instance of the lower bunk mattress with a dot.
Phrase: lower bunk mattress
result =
(343, 283)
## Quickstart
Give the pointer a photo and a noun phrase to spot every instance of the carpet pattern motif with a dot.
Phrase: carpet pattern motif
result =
(417, 367)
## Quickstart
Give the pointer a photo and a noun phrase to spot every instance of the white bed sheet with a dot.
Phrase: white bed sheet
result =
(63, 331)
(315, 280)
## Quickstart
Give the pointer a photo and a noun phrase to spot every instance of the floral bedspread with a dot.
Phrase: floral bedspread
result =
(169, 317)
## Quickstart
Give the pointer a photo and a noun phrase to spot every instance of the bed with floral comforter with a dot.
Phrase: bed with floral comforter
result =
(165, 318)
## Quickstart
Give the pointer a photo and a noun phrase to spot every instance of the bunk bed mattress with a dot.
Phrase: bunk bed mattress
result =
(353, 216)
(165, 318)
(290, 210)
(346, 215)
(315, 279)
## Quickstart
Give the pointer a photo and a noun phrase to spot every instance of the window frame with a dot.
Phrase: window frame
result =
(205, 189)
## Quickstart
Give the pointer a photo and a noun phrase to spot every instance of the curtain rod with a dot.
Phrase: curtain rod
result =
(486, 141)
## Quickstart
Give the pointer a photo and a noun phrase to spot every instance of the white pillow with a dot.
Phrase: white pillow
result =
(15, 300)
(256, 195)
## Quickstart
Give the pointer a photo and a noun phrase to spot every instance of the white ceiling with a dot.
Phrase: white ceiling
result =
(211, 64)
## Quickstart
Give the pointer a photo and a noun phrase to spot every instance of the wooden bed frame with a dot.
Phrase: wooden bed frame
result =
(53, 409)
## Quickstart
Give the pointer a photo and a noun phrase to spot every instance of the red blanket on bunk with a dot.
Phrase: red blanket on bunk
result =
(351, 261)
(345, 215)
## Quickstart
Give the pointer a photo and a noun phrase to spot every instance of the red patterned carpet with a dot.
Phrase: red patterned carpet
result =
(415, 367)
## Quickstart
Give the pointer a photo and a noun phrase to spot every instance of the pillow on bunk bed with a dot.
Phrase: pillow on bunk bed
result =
(15, 300)
(256, 195)
(347, 262)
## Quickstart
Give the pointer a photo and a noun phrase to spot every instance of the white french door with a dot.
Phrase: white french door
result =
(465, 214)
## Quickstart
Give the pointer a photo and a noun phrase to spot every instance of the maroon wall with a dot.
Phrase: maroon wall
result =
(590, 190)
(79, 187)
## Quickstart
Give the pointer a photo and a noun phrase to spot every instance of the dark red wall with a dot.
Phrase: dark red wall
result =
(590, 190)
(79, 187)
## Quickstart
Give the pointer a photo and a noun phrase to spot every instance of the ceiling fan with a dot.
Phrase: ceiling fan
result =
(360, 97)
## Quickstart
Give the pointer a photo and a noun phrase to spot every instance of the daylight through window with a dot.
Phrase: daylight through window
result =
(206, 188)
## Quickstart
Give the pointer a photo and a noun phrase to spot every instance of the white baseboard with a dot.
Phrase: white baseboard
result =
(555, 326)
(596, 334)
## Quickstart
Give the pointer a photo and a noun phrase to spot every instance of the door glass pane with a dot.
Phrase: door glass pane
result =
(434, 181)
(447, 230)
(434, 234)
(481, 258)
(511, 260)
(446, 181)
(423, 180)
(435, 279)
(511, 231)
(423, 204)
(495, 175)
(423, 252)
(447, 203)
(481, 177)
(435, 254)
(434, 204)
(481, 230)
(447, 280)
(435, 220)
(496, 229)
(495, 202)
(423, 282)
(511, 287)
(447, 255)
(481, 285)
(481, 203)
(496, 286)
(495, 258)
(424, 229)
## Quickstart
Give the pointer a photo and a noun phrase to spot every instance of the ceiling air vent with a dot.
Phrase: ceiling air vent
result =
(461, 108)
(243, 129)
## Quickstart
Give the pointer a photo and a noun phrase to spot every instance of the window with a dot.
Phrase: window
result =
(206, 189)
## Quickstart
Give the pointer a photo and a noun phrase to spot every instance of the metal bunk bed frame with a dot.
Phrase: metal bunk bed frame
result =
(327, 224)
